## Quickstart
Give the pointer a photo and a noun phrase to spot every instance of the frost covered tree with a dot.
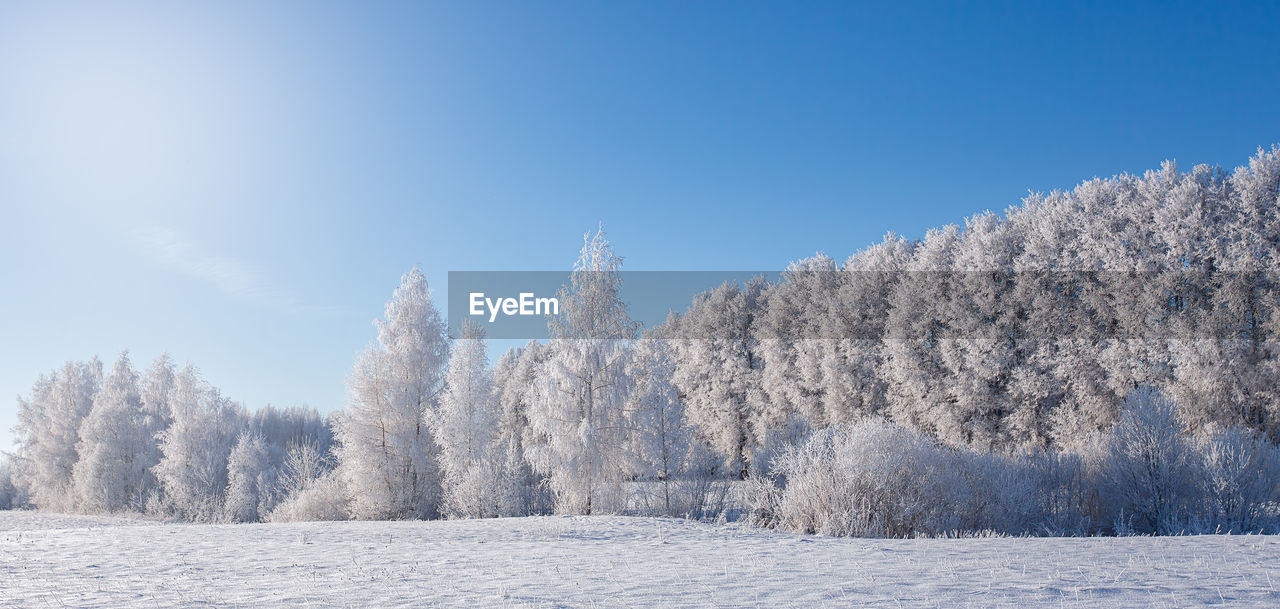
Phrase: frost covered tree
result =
(308, 487)
(11, 494)
(1151, 466)
(115, 448)
(283, 427)
(304, 463)
(1238, 479)
(658, 435)
(851, 353)
(193, 467)
(521, 491)
(1021, 331)
(1061, 390)
(386, 453)
(466, 429)
(48, 431)
(575, 411)
(281, 430)
(788, 336)
(662, 445)
(155, 386)
(159, 443)
(922, 341)
(718, 370)
(250, 479)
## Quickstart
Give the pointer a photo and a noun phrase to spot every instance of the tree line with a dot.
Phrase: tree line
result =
(1109, 352)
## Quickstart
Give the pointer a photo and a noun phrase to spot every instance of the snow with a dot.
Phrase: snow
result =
(603, 561)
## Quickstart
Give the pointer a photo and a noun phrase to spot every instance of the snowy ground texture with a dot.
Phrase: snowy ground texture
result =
(72, 561)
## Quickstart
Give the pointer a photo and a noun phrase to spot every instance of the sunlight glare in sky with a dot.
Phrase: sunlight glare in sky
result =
(120, 113)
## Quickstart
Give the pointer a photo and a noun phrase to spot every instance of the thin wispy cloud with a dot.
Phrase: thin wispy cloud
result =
(238, 279)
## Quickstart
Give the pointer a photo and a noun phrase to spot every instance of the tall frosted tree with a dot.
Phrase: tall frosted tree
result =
(250, 479)
(923, 341)
(155, 387)
(718, 370)
(193, 467)
(1235, 378)
(788, 335)
(466, 429)
(386, 452)
(49, 429)
(663, 449)
(575, 412)
(851, 354)
(514, 380)
(988, 351)
(115, 446)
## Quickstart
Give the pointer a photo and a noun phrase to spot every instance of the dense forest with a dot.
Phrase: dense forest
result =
(1100, 360)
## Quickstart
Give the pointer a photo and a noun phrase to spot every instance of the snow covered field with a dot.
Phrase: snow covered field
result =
(72, 561)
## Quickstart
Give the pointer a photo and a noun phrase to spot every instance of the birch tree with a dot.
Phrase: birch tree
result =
(386, 453)
(575, 412)
(115, 448)
(48, 432)
(466, 430)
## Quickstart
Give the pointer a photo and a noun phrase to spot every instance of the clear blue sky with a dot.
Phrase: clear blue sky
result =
(243, 184)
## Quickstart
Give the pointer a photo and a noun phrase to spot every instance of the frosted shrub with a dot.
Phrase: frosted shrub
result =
(1062, 491)
(761, 497)
(870, 478)
(1239, 474)
(701, 491)
(698, 489)
(310, 487)
(474, 491)
(775, 441)
(875, 478)
(994, 493)
(1148, 479)
(324, 498)
(1147, 475)
(304, 463)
